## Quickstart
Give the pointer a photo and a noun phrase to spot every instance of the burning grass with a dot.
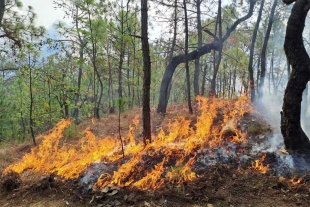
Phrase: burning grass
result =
(169, 158)
(200, 159)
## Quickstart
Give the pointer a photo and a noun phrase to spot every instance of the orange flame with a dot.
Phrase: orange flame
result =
(259, 166)
(296, 181)
(173, 148)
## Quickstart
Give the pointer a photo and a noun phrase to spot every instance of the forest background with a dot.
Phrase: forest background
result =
(88, 63)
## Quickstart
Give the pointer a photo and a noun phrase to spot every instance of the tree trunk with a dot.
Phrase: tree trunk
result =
(146, 111)
(190, 109)
(31, 121)
(264, 49)
(2, 10)
(174, 40)
(294, 137)
(97, 100)
(204, 79)
(272, 72)
(78, 93)
(304, 103)
(250, 66)
(176, 60)
(288, 68)
(258, 73)
(120, 73)
(197, 61)
(219, 57)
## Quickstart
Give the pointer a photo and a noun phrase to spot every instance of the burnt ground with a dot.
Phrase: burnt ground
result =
(231, 182)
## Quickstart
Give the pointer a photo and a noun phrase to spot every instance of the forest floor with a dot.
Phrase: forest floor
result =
(222, 185)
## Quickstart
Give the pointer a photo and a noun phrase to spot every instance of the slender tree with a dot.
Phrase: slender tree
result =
(252, 47)
(186, 60)
(218, 59)
(146, 110)
(199, 37)
(264, 49)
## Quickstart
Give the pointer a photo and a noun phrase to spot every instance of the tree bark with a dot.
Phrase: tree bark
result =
(204, 79)
(78, 92)
(2, 10)
(31, 120)
(186, 61)
(220, 49)
(288, 69)
(146, 111)
(250, 66)
(207, 48)
(175, 20)
(294, 137)
(197, 61)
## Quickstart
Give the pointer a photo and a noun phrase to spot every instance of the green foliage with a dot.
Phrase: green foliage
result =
(72, 132)
(101, 32)
(256, 128)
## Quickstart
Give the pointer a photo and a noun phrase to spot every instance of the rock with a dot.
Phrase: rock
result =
(261, 136)
(146, 204)
(117, 203)
(281, 179)
(114, 192)
(234, 176)
(129, 197)
(105, 190)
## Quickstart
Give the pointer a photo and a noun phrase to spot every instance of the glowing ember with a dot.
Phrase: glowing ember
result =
(283, 151)
(259, 166)
(296, 181)
(143, 167)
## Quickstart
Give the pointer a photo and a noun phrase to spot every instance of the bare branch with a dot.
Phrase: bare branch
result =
(8, 69)
(211, 34)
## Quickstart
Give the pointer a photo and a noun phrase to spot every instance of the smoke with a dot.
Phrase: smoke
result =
(270, 108)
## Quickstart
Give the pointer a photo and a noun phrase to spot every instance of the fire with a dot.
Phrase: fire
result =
(296, 181)
(259, 166)
(169, 158)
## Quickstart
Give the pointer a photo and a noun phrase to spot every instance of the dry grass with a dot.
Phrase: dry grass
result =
(13, 152)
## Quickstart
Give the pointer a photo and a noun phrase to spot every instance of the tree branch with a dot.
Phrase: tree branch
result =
(211, 34)
(238, 21)
(288, 1)
(8, 69)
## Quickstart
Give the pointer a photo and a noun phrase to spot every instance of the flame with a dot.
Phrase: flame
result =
(296, 181)
(283, 151)
(182, 173)
(259, 166)
(143, 167)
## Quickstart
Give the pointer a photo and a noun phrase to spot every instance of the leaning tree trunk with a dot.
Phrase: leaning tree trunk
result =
(294, 137)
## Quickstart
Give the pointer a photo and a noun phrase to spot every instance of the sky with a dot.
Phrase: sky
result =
(47, 15)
